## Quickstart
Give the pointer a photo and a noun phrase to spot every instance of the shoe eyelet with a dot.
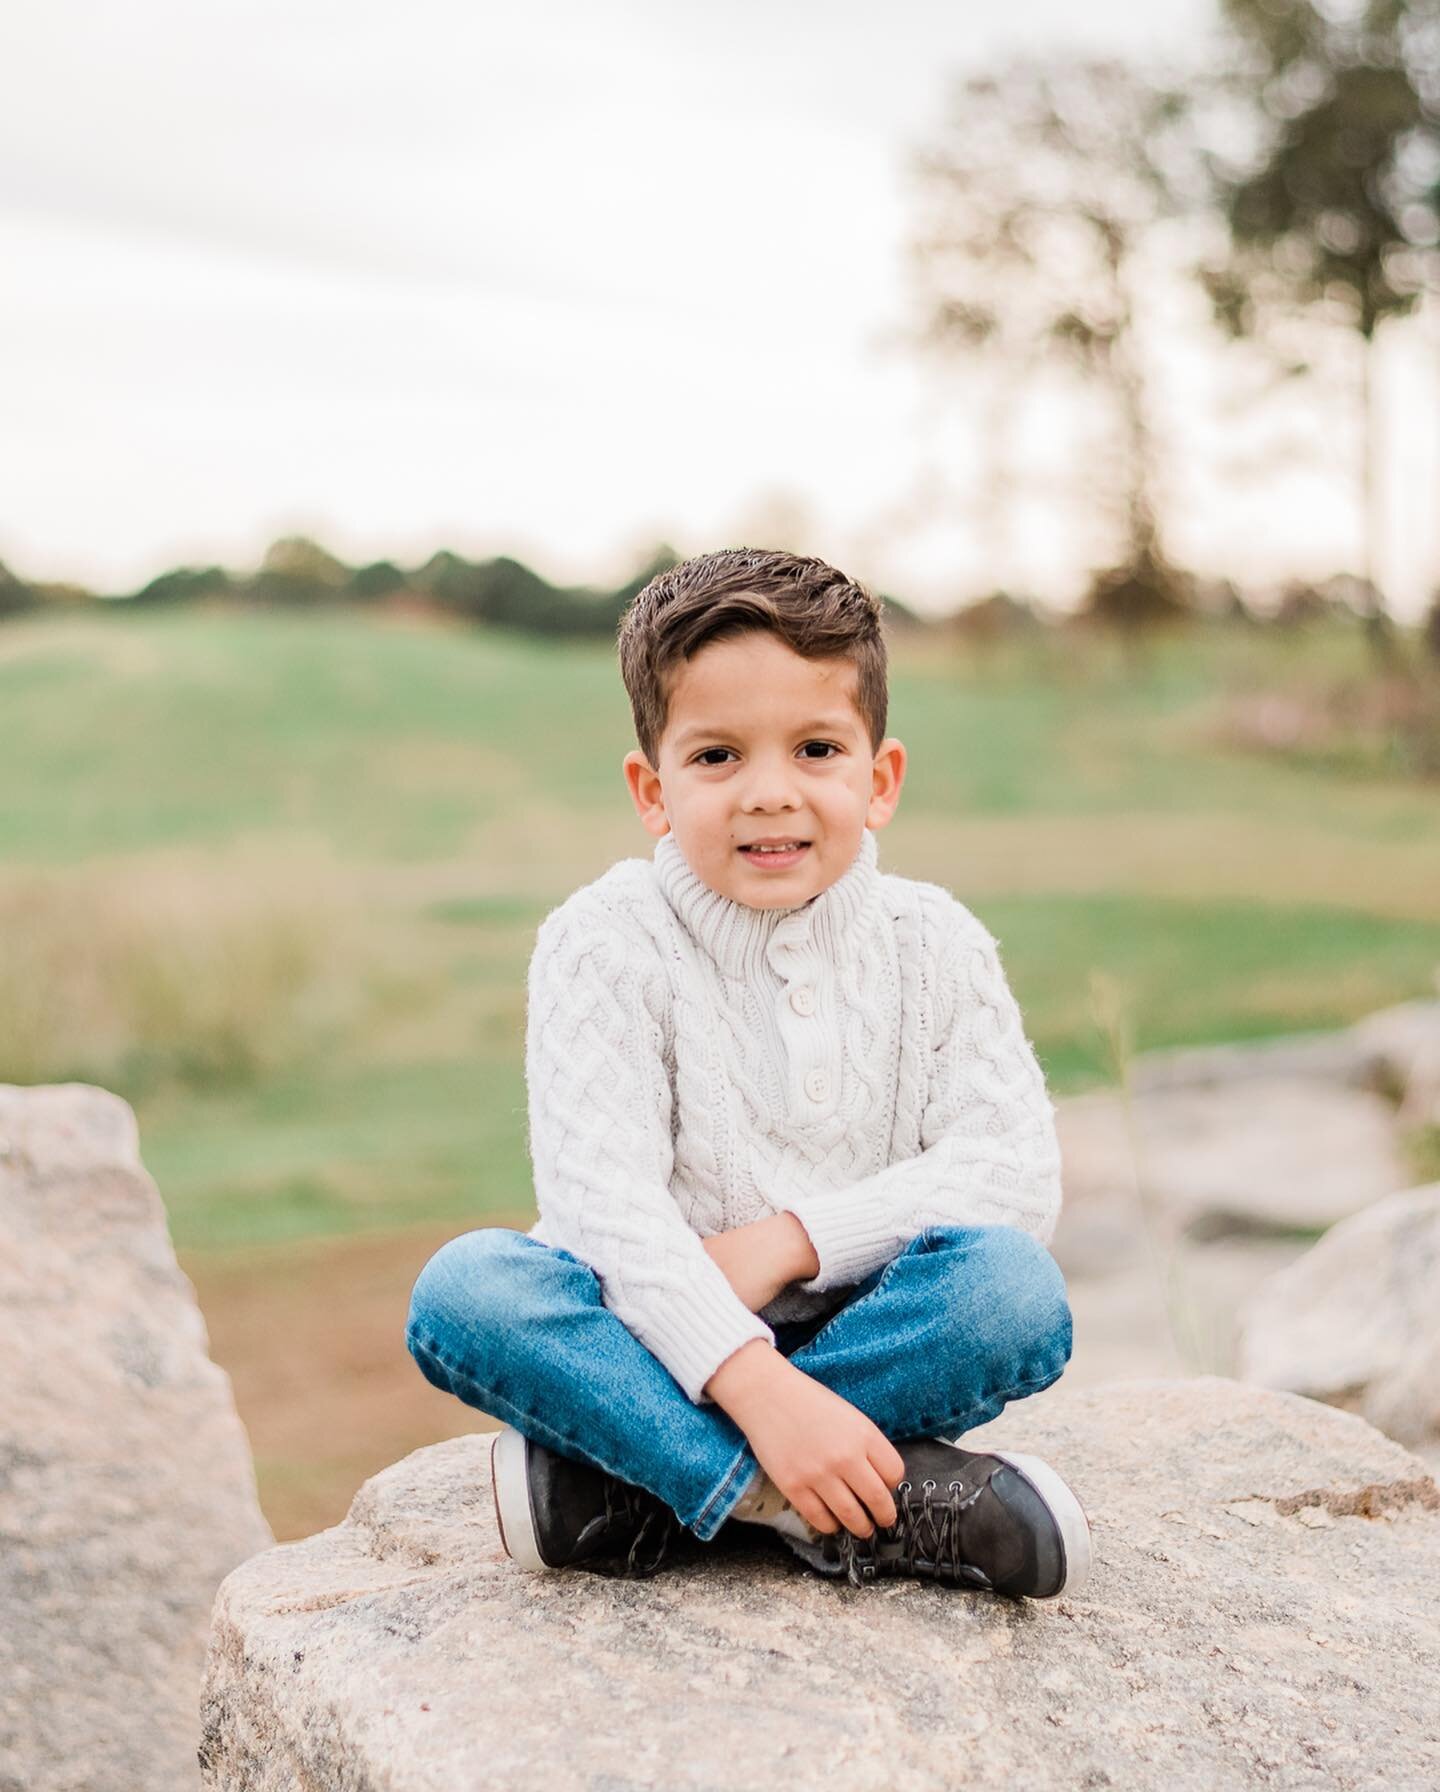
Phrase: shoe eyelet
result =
(957, 1487)
(927, 1486)
(904, 1487)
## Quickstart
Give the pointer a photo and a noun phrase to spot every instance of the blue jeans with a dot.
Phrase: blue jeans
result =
(962, 1321)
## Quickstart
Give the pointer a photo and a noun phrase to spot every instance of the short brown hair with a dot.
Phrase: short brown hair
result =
(814, 609)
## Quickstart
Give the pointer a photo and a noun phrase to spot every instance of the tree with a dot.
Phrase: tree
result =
(1430, 628)
(1333, 207)
(501, 590)
(185, 584)
(1042, 204)
(296, 570)
(15, 594)
(377, 581)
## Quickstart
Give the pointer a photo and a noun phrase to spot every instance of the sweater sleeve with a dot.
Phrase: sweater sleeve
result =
(990, 1152)
(601, 1146)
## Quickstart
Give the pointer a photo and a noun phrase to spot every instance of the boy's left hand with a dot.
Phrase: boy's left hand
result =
(762, 1258)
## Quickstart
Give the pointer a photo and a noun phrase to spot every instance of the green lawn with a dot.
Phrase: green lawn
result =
(275, 878)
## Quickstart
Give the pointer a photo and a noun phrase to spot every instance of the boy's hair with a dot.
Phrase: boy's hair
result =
(814, 609)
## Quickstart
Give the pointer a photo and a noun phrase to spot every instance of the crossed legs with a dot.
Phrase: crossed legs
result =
(964, 1320)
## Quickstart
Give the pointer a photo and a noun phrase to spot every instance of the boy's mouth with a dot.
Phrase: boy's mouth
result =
(778, 855)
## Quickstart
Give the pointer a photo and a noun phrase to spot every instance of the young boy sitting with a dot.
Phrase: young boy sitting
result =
(795, 1164)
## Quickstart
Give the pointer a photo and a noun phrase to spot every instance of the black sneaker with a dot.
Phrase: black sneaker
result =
(997, 1521)
(555, 1512)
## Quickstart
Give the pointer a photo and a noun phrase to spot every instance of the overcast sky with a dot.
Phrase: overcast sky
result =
(558, 280)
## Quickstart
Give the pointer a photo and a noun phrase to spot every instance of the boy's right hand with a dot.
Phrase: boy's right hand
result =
(834, 1465)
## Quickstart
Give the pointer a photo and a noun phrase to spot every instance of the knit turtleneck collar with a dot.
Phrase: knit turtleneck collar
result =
(735, 935)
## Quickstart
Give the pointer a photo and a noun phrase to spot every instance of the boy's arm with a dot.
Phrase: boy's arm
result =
(764, 1256)
(990, 1153)
(600, 1145)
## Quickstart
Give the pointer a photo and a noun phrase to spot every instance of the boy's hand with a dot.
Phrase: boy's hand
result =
(834, 1465)
(762, 1258)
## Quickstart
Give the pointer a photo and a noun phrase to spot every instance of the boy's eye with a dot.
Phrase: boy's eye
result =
(705, 759)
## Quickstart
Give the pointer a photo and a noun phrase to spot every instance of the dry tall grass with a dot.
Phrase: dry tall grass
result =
(191, 972)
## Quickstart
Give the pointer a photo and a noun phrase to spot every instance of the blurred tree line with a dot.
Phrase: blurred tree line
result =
(1066, 208)
(301, 573)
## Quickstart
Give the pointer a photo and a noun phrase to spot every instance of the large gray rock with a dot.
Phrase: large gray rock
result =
(1267, 1152)
(1356, 1320)
(126, 1486)
(1259, 1615)
(1346, 1055)
(1384, 1051)
(1407, 1040)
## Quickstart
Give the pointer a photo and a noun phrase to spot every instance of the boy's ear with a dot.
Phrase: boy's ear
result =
(643, 783)
(889, 776)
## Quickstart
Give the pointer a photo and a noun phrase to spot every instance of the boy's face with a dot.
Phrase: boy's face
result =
(763, 744)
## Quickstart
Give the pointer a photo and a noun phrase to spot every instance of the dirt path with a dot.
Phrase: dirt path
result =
(313, 1338)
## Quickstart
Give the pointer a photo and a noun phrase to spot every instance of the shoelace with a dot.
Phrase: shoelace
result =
(929, 1539)
(658, 1525)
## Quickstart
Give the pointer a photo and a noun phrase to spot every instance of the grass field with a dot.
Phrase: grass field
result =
(275, 878)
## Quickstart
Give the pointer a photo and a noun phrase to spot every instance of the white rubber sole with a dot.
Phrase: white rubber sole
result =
(1069, 1515)
(511, 1487)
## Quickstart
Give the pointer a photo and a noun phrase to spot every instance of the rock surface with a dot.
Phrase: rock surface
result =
(1247, 1150)
(126, 1487)
(1261, 1613)
(1266, 1152)
(1356, 1320)
(1407, 1039)
(1346, 1055)
(1384, 1051)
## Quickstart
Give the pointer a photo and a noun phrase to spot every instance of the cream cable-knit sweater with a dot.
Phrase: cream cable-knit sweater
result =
(693, 1064)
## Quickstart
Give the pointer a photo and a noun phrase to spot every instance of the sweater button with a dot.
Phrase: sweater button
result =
(817, 1085)
(803, 1000)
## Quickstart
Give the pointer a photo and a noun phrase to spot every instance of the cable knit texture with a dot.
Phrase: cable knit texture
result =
(694, 1064)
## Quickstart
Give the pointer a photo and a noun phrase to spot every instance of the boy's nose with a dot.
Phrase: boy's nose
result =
(771, 791)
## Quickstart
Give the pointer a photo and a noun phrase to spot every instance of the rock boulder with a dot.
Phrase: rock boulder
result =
(127, 1491)
(1279, 1153)
(1259, 1615)
(1407, 1039)
(1356, 1320)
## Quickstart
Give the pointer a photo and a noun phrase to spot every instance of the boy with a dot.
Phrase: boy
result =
(794, 1159)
